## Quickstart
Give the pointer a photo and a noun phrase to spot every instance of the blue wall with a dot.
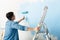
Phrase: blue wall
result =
(53, 15)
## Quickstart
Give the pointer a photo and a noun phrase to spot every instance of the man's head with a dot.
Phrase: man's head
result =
(10, 16)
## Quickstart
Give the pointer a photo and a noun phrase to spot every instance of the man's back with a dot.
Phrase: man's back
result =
(10, 33)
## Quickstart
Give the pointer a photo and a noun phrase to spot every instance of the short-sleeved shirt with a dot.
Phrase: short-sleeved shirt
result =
(11, 30)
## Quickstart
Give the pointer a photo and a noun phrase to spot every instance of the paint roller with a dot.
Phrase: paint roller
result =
(25, 13)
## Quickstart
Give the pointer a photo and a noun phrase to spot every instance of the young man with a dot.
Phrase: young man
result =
(11, 28)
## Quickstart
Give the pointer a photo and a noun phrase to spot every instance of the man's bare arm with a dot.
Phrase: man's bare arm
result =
(33, 29)
(21, 19)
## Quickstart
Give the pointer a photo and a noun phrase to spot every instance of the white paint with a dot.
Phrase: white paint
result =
(6, 6)
(42, 1)
(11, 5)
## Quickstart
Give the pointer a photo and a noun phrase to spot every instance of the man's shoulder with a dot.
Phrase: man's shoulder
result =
(12, 22)
(8, 22)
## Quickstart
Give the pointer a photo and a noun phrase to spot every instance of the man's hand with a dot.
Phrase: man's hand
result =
(21, 19)
(36, 29)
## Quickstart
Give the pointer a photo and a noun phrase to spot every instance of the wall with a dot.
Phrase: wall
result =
(34, 8)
